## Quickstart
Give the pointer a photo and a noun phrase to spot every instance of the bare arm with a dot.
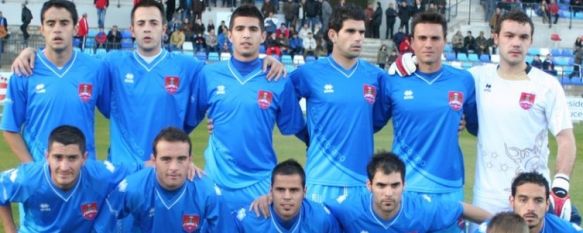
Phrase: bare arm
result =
(565, 151)
(475, 214)
(7, 219)
(17, 146)
(24, 63)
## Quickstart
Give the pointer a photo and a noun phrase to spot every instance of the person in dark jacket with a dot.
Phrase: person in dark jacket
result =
(26, 17)
(391, 15)
(377, 20)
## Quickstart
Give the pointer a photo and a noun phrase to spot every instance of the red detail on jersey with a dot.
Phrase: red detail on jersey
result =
(85, 91)
(171, 83)
(461, 223)
(370, 93)
(190, 222)
(89, 211)
(264, 99)
(455, 100)
(526, 100)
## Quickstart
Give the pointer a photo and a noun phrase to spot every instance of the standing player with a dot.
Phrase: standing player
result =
(290, 211)
(341, 91)
(162, 199)
(388, 209)
(64, 89)
(240, 155)
(426, 110)
(518, 105)
(63, 194)
(530, 199)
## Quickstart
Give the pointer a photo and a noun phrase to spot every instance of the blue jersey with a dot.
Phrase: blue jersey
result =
(312, 217)
(55, 96)
(50, 209)
(426, 110)
(418, 213)
(551, 224)
(145, 98)
(339, 119)
(195, 207)
(244, 108)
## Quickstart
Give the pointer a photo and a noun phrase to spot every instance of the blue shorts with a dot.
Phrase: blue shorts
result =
(322, 193)
(236, 199)
(458, 226)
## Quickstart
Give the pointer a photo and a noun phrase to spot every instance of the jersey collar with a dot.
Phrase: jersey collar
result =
(150, 66)
(384, 223)
(169, 198)
(243, 79)
(53, 68)
(346, 72)
(279, 228)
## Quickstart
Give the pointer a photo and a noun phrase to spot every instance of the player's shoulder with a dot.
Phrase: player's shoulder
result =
(346, 204)
(26, 172)
(246, 217)
(456, 72)
(555, 224)
(205, 185)
(182, 59)
(316, 212)
(118, 56)
(216, 67)
(100, 169)
(543, 78)
(138, 181)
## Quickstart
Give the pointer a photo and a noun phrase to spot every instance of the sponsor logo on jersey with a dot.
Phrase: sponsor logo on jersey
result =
(89, 211)
(370, 93)
(526, 100)
(408, 95)
(455, 100)
(220, 90)
(328, 88)
(45, 207)
(190, 222)
(171, 83)
(488, 87)
(264, 99)
(85, 91)
(129, 78)
(40, 88)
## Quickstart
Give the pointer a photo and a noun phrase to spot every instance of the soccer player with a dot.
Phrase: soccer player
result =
(426, 110)
(64, 193)
(244, 108)
(386, 208)
(507, 222)
(530, 199)
(340, 92)
(290, 211)
(161, 199)
(64, 89)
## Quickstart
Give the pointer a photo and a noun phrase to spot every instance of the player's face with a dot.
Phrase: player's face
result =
(172, 163)
(287, 193)
(428, 43)
(148, 28)
(348, 41)
(58, 29)
(387, 191)
(65, 162)
(513, 42)
(530, 203)
(246, 36)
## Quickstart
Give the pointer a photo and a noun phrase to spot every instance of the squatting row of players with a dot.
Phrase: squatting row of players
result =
(510, 107)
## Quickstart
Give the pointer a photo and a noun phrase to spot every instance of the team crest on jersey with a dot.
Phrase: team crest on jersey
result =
(370, 93)
(455, 100)
(190, 222)
(85, 91)
(526, 100)
(171, 83)
(264, 99)
(89, 211)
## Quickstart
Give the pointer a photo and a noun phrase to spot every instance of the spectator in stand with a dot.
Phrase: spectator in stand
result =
(391, 17)
(457, 42)
(382, 56)
(170, 9)
(549, 65)
(198, 27)
(578, 41)
(393, 53)
(272, 45)
(3, 31)
(283, 42)
(212, 41)
(113, 38)
(304, 31)
(312, 11)
(290, 12)
(576, 6)
(404, 15)
(210, 25)
(26, 17)
(377, 20)
(82, 30)
(177, 39)
(368, 14)
(536, 62)
(321, 48)
(470, 42)
(282, 30)
(174, 24)
(417, 7)
(100, 39)
(199, 43)
(296, 45)
(482, 44)
(268, 7)
(578, 54)
(441, 5)
(222, 38)
(398, 37)
(101, 6)
(553, 12)
(223, 27)
(326, 13)
(491, 44)
(318, 31)
(188, 29)
(309, 44)
(544, 8)
(198, 7)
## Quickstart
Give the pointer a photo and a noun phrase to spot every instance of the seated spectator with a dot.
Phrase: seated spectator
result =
(482, 46)
(296, 45)
(304, 31)
(382, 56)
(578, 54)
(536, 62)
(177, 39)
(283, 42)
(282, 30)
(469, 42)
(212, 41)
(549, 65)
(576, 6)
(457, 42)
(310, 45)
(199, 43)
(100, 39)
(270, 23)
(113, 38)
(272, 46)
(198, 27)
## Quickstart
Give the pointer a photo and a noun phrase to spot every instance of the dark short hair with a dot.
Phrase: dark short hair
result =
(516, 16)
(533, 178)
(67, 5)
(289, 167)
(171, 134)
(343, 13)
(429, 17)
(149, 3)
(507, 222)
(247, 11)
(387, 162)
(68, 135)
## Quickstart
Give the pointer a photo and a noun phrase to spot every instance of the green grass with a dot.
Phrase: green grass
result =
(290, 147)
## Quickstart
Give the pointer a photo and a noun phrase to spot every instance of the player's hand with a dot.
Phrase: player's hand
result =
(560, 199)
(462, 125)
(405, 65)
(194, 171)
(24, 63)
(275, 69)
(210, 126)
(261, 206)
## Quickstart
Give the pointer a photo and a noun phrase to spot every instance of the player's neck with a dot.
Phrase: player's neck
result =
(512, 72)
(151, 53)
(59, 58)
(386, 216)
(429, 68)
(343, 61)
(242, 58)
(537, 228)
